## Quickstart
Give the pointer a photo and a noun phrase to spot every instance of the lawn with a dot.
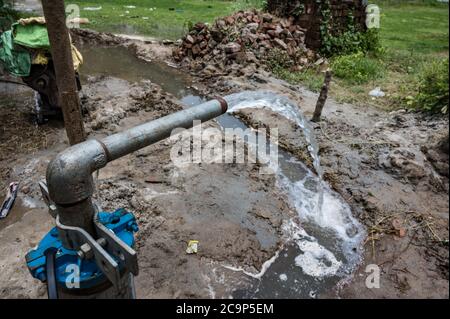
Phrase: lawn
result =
(419, 28)
(414, 35)
(156, 18)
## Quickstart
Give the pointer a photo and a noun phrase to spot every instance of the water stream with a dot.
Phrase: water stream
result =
(326, 246)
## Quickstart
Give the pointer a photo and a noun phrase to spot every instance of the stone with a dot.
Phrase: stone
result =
(229, 20)
(253, 27)
(267, 18)
(232, 47)
(199, 26)
(190, 39)
(280, 43)
(196, 49)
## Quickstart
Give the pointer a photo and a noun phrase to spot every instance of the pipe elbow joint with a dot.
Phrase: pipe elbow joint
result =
(69, 175)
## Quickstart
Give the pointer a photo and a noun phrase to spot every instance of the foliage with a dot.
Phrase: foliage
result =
(163, 19)
(433, 87)
(351, 40)
(357, 68)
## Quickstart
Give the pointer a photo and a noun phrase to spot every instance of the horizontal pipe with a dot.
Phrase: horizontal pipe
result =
(146, 134)
(69, 175)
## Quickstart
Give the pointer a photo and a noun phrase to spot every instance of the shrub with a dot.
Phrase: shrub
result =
(433, 87)
(352, 41)
(357, 68)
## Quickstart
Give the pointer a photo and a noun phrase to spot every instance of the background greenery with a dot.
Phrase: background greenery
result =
(405, 58)
(157, 18)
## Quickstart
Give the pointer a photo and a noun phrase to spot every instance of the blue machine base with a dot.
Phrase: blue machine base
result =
(70, 268)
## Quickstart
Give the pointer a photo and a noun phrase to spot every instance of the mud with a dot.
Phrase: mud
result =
(388, 166)
(234, 212)
(392, 168)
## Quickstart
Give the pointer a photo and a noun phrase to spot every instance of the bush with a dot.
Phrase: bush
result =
(433, 87)
(351, 42)
(357, 68)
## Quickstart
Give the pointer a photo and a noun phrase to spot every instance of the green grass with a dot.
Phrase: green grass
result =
(169, 19)
(357, 68)
(414, 36)
(309, 78)
(420, 28)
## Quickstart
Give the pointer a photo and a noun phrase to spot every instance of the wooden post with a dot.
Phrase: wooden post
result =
(55, 17)
(322, 97)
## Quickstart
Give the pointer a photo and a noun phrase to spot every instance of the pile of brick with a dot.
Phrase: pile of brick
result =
(245, 37)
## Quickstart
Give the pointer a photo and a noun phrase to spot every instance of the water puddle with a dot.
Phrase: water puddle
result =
(119, 62)
(318, 253)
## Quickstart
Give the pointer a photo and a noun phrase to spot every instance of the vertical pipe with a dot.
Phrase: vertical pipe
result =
(55, 16)
(322, 97)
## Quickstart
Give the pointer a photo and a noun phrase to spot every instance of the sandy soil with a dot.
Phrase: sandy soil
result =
(379, 162)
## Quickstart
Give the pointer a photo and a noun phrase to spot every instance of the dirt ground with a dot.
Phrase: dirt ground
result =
(233, 204)
(387, 166)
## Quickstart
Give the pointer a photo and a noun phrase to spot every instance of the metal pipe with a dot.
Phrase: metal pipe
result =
(69, 175)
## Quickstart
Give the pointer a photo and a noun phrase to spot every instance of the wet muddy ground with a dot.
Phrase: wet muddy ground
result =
(381, 164)
(375, 160)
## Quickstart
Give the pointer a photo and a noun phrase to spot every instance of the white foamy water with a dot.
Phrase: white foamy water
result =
(282, 106)
(336, 250)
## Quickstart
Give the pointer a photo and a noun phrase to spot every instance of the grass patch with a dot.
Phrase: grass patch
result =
(310, 78)
(357, 68)
(433, 85)
(157, 18)
(414, 37)
(420, 27)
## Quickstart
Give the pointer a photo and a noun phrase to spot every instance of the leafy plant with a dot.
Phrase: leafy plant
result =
(351, 40)
(433, 89)
(357, 68)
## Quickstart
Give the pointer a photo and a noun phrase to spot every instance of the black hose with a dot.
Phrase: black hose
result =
(50, 265)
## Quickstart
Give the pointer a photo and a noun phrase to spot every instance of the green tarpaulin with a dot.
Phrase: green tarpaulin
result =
(14, 43)
(15, 59)
(33, 35)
